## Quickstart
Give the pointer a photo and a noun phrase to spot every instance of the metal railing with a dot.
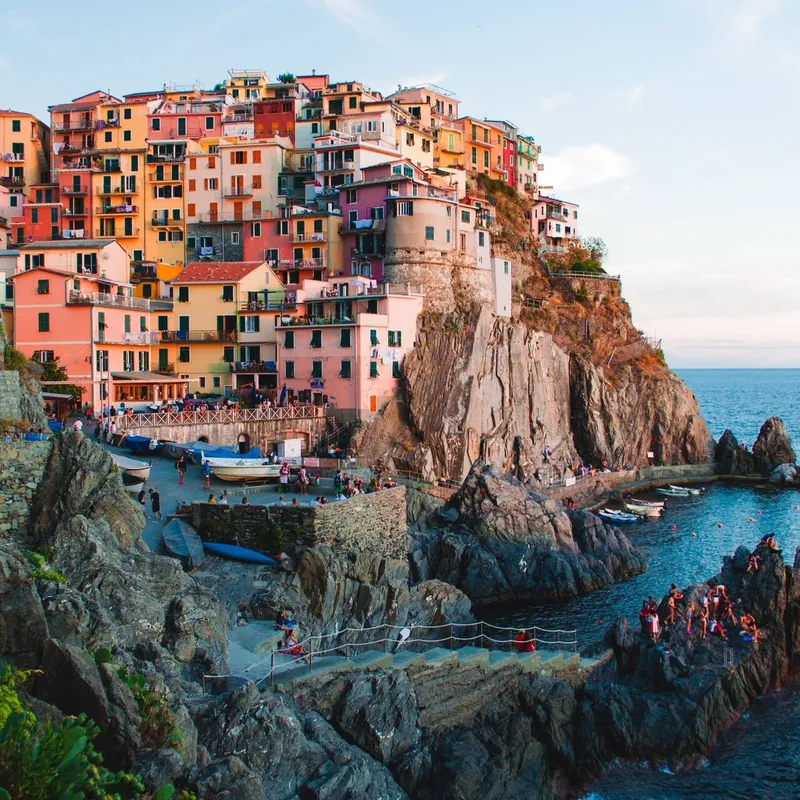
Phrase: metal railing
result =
(79, 298)
(113, 190)
(189, 418)
(395, 638)
(199, 336)
(121, 209)
(237, 191)
(74, 125)
(74, 190)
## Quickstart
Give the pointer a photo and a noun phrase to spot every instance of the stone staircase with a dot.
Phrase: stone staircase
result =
(251, 646)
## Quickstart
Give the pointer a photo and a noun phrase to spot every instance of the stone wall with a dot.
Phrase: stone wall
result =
(22, 466)
(263, 434)
(371, 522)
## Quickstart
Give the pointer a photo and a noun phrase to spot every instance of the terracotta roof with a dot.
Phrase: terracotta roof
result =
(217, 271)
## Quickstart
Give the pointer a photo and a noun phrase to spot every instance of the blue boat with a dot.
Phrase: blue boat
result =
(237, 553)
(616, 517)
(183, 543)
(142, 444)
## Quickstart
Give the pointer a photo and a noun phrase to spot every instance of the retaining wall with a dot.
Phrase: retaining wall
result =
(22, 466)
(375, 522)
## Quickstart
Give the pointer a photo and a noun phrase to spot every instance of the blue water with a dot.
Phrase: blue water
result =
(760, 755)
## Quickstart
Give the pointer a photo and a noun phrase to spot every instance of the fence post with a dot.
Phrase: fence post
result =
(272, 668)
(385, 638)
(481, 633)
(451, 635)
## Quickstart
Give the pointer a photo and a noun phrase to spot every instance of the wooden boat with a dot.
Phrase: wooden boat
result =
(136, 469)
(237, 553)
(609, 515)
(649, 503)
(242, 469)
(670, 492)
(183, 543)
(685, 489)
(644, 511)
(134, 487)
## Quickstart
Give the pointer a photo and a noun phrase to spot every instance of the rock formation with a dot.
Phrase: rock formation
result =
(773, 447)
(480, 387)
(499, 541)
(772, 455)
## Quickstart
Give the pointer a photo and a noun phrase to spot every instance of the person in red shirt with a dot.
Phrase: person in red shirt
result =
(523, 644)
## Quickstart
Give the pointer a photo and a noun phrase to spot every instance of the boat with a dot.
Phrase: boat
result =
(685, 489)
(142, 444)
(134, 487)
(609, 515)
(198, 450)
(670, 492)
(242, 469)
(183, 543)
(649, 503)
(136, 469)
(644, 511)
(237, 553)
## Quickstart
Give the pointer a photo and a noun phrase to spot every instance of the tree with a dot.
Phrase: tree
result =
(597, 248)
(286, 77)
(55, 371)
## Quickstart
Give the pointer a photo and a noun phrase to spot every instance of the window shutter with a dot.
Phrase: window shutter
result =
(256, 156)
(257, 325)
(220, 323)
(233, 157)
(241, 324)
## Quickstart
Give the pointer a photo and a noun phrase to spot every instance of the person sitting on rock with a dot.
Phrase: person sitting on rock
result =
(293, 648)
(284, 622)
(752, 563)
(718, 629)
(523, 644)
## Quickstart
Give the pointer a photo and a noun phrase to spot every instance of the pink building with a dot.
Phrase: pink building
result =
(555, 223)
(346, 347)
(73, 300)
(185, 119)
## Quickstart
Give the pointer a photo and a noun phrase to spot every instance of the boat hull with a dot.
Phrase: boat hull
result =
(136, 469)
(617, 519)
(246, 472)
(237, 553)
(684, 489)
(672, 493)
(644, 511)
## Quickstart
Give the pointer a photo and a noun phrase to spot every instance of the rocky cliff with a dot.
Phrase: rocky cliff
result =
(772, 454)
(478, 386)
(499, 541)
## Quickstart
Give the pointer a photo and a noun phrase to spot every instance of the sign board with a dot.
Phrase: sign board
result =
(651, 454)
(310, 462)
(569, 481)
(317, 384)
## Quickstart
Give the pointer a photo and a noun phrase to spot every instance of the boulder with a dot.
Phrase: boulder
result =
(733, 458)
(785, 475)
(773, 446)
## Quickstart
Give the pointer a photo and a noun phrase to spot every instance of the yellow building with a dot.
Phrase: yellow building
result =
(246, 85)
(223, 323)
(448, 146)
(24, 150)
(317, 249)
(165, 219)
(151, 279)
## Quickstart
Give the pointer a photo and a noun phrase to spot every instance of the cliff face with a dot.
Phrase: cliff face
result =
(478, 386)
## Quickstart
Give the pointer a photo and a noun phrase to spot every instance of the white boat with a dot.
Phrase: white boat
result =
(685, 489)
(649, 503)
(670, 492)
(134, 488)
(609, 515)
(136, 469)
(644, 511)
(242, 469)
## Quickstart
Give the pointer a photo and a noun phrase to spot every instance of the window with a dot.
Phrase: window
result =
(289, 369)
(447, 236)
(126, 136)
(558, 227)
(410, 139)
(345, 372)
(505, 267)
(234, 237)
(44, 323)
(134, 163)
(144, 361)
(227, 353)
(227, 294)
(147, 290)
(183, 294)
(43, 287)
(34, 215)
(209, 123)
(53, 215)
(376, 212)
(429, 233)
(142, 324)
(465, 216)
(126, 113)
(288, 340)
(107, 136)
(215, 382)
(373, 369)
(127, 360)
(462, 241)
(395, 369)
(249, 324)
(127, 327)
(344, 338)
(404, 208)
(101, 360)
(486, 158)
(202, 380)
(475, 155)
(316, 339)
(283, 227)
(255, 229)
(474, 132)
(352, 195)
(373, 338)
(316, 369)
(191, 209)
(352, 102)
(238, 157)
(395, 338)
(16, 126)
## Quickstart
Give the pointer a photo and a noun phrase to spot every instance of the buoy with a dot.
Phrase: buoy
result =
(693, 533)
(674, 527)
(759, 512)
(719, 524)
(750, 519)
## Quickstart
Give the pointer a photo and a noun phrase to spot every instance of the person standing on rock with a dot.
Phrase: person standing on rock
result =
(180, 465)
(155, 501)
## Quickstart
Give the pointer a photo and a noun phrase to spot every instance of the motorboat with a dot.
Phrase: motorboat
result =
(609, 515)
(670, 492)
(649, 503)
(197, 451)
(136, 469)
(237, 553)
(644, 511)
(242, 469)
(183, 543)
(685, 489)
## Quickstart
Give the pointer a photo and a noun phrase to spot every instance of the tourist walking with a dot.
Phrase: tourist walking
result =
(155, 502)
(141, 499)
(302, 479)
(206, 475)
(180, 465)
(283, 476)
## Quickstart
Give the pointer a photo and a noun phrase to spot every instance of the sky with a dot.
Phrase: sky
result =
(673, 123)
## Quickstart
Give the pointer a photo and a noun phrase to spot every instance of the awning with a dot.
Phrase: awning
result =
(146, 377)
(56, 396)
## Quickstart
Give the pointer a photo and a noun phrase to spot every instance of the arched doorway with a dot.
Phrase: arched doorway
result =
(244, 443)
(202, 439)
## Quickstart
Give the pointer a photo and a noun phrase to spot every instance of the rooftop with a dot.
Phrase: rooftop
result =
(68, 244)
(217, 271)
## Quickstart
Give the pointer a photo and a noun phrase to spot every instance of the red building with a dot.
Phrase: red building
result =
(41, 218)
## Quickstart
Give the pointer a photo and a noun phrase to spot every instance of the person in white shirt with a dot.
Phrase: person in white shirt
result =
(77, 425)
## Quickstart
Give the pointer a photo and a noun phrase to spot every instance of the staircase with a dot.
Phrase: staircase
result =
(334, 431)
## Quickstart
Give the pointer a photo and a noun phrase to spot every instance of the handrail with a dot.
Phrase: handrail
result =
(559, 638)
(163, 418)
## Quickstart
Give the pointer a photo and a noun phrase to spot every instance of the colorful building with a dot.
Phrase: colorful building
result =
(24, 150)
(479, 142)
(215, 328)
(246, 85)
(508, 159)
(555, 224)
(346, 346)
(41, 218)
(527, 166)
(73, 299)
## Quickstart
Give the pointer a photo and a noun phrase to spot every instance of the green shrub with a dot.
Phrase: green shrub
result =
(158, 722)
(48, 575)
(102, 656)
(14, 360)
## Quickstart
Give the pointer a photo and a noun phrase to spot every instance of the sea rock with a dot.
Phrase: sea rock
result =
(509, 543)
(785, 474)
(773, 447)
(733, 458)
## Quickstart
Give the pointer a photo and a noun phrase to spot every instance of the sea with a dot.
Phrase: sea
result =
(759, 756)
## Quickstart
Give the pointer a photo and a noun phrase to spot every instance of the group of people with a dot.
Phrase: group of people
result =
(290, 646)
(155, 504)
(7, 437)
(347, 485)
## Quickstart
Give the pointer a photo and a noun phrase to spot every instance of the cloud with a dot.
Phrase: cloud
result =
(578, 167)
(551, 103)
(630, 96)
(744, 18)
(351, 12)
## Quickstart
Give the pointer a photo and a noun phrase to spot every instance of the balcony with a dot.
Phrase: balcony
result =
(302, 263)
(370, 252)
(113, 190)
(163, 177)
(238, 191)
(12, 180)
(233, 216)
(166, 222)
(143, 272)
(239, 117)
(123, 208)
(288, 304)
(12, 158)
(305, 238)
(132, 233)
(307, 321)
(553, 214)
(76, 163)
(253, 366)
(143, 338)
(109, 166)
(153, 158)
(337, 166)
(77, 298)
(182, 337)
(84, 124)
(67, 190)
(74, 212)
(456, 149)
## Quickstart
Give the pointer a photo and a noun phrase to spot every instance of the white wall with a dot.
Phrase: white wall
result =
(502, 271)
